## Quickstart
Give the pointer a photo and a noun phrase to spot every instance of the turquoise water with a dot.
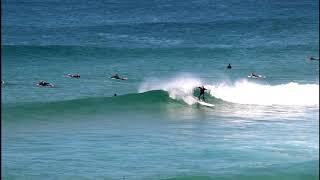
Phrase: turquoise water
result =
(154, 129)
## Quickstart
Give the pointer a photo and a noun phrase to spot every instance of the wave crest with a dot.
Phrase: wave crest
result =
(241, 92)
(180, 88)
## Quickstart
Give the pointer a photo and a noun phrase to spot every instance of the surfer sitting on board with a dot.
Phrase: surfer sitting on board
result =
(229, 66)
(202, 89)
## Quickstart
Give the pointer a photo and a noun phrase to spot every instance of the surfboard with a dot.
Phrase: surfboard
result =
(119, 79)
(205, 104)
(254, 77)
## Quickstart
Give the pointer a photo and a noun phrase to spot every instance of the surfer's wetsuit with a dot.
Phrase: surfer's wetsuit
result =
(74, 75)
(254, 75)
(43, 83)
(229, 66)
(116, 76)
(202, 89)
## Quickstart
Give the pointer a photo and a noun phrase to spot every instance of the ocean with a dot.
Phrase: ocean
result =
(265, 128)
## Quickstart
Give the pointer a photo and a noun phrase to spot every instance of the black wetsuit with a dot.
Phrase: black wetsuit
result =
(229, 66)
(42, 83)
(202, 89)
(116, 76)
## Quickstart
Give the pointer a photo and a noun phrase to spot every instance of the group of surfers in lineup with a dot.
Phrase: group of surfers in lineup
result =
(43, 83)
(46, 84)
(116, 76)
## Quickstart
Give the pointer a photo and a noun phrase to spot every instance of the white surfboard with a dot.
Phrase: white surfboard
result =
(254, 77)
(205, 104)
(120, 78)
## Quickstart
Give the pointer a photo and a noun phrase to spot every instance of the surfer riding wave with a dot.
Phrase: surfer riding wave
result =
(202, 90)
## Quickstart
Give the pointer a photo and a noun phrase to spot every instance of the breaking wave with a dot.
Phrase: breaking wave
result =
(240, 92)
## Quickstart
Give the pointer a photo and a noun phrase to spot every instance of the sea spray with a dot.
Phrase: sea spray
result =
(180, 87)
(240, 92)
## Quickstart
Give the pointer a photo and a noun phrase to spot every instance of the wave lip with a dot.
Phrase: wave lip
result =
(180, 88)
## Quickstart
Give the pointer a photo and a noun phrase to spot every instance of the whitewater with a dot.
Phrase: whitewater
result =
(243, 91)
(153, 129)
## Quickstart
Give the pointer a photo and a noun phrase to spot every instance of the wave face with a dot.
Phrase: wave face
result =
(89, 106)
(241, 92)
(180, 91)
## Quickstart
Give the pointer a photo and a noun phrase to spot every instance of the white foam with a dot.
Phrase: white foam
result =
(244, 92)
(180, 87)
(241, 92)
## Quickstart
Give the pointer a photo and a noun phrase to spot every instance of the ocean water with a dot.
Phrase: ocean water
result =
(154, 128)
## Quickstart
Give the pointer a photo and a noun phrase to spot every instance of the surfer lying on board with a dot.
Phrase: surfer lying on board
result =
(202, 89)
(45, 84)
(314, 59)
(254, 75)
(116, 76)
(74, 75)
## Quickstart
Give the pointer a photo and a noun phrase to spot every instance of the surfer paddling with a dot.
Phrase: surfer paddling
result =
(45, 84)
(313, 59)
(74, 75)
(255, 75)
(116, 76)
(202, 90)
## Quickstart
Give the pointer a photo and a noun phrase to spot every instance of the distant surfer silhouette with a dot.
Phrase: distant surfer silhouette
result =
(229, 66)
(314, 59)
(202, 90)
(45, 84)
(74, 75)
(255, 75)
(116, 76)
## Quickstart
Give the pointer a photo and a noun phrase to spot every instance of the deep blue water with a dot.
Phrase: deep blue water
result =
(154, 129)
